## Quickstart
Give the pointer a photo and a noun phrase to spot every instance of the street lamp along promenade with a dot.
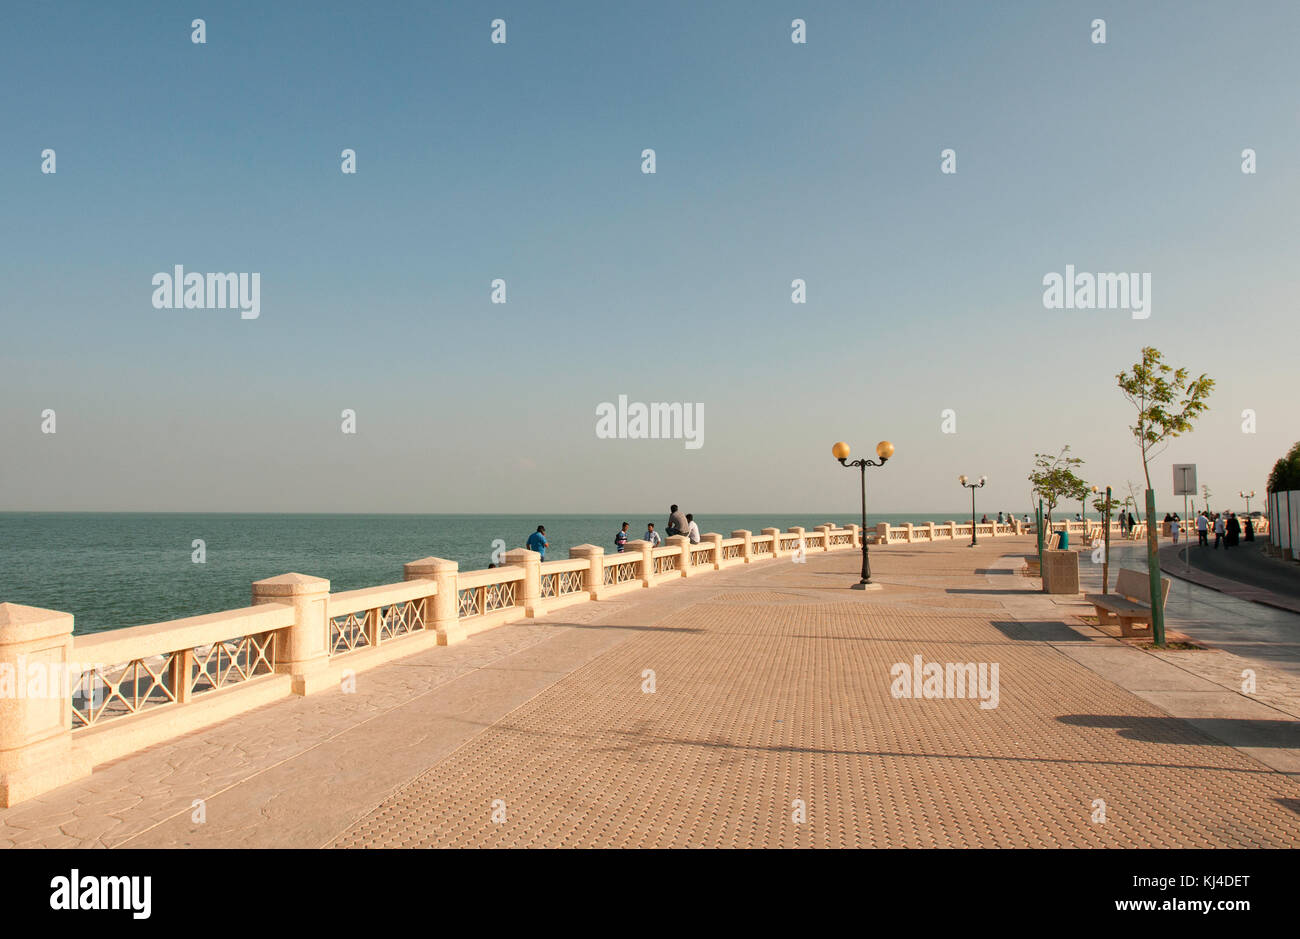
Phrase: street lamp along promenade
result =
(972, 487)
(841, 451)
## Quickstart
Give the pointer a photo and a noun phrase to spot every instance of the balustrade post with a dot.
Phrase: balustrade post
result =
(776, 540)
(36, 752)
(595, 555)
(747, 549)
(716, 538)
(802, 544)
(644, 548)
(301, 650)
(442, 610)
(682, 544)
(426, 569)
(826, 535)
(531, 585)
(855, 536)
(882, 533)
(910, 526)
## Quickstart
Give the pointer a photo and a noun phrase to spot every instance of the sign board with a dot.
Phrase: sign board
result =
(1184, 479)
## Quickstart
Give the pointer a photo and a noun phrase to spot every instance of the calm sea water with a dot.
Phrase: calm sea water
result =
(112, 570)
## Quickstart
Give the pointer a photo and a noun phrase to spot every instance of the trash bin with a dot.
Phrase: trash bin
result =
(1065, 540)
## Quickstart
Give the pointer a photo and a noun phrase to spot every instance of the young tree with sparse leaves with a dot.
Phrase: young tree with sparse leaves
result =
(1167, 404)
(1053, 479)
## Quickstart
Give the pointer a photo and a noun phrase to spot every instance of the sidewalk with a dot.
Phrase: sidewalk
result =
(771, 723)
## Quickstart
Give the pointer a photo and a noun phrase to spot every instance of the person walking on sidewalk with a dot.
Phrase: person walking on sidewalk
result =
(1202, 530)
(1218, 531)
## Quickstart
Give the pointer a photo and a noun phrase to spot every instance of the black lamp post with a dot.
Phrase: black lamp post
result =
(884, 450)
(972, 487)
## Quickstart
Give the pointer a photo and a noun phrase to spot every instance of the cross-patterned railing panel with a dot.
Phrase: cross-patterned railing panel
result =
(622, 573)
(109, 692)
(232, 661)
(571, 582)
(761, 547)
(703, 556)
(350, 632)
(112, 691)
(665, 564)
(732, 551)
(549, 585)
(476, 601)
(400, 619)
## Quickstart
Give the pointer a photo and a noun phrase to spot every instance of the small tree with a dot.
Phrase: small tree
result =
(1053, 479)
(1205, 497)
(1167, 404)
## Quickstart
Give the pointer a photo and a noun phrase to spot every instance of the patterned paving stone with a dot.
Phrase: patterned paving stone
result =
(765, 709)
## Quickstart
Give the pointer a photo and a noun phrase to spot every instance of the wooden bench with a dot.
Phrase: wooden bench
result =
(1129, 604)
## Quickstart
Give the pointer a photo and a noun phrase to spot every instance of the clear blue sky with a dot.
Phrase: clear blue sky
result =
(522, 161)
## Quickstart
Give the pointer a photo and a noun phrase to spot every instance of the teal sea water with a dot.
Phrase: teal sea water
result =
(111, 570)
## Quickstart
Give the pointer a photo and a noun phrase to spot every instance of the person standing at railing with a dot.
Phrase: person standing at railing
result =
(537, 541)
(1175, 526)
(1202, 530)
(692, 530)
(652, 536)
(1218, 531)
(620, 539)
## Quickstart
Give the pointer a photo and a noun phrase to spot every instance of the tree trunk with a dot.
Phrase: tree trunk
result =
(1153, 568)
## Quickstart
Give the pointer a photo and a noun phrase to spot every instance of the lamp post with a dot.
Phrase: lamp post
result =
(972, 487)
(841, 451)
(1105, 535)
(1247, 496)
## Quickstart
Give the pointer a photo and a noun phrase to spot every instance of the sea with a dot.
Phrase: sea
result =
(111, 570)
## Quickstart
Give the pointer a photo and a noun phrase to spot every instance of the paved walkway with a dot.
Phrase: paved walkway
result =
(772, 701)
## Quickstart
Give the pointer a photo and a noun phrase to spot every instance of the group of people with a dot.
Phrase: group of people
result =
(678, 524)
(1226, 527)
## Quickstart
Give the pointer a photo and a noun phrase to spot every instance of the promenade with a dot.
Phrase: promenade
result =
(771, 701)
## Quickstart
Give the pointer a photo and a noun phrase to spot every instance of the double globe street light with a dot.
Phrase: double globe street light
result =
(841, 451)
(972, 487)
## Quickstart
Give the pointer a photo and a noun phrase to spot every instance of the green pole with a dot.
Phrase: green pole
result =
(1105, 559)
(1039, 529)
(1153, 569)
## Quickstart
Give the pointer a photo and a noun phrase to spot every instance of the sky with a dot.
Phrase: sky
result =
(523, 161)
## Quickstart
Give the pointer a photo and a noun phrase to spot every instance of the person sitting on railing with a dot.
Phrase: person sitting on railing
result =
(537, 541)
(692, 530)
(652, 536)
(620, 539)
(676, 522)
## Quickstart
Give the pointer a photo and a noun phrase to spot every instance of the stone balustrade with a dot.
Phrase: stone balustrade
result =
(70, 703)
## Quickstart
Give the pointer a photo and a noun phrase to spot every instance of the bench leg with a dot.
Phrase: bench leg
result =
(1129, 628)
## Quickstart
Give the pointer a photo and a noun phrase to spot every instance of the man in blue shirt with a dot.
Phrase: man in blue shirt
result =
(537, 541)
